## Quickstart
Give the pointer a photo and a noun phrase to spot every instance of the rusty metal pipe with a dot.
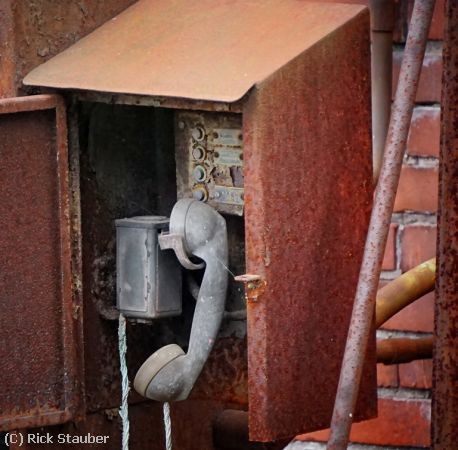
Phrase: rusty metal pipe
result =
(364, 305)
(404, 290)
(382, 24)
(404, 350)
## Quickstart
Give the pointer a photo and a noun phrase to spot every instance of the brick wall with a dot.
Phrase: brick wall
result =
(404, 389)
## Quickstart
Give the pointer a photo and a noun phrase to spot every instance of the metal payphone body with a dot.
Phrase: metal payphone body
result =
(261, 110)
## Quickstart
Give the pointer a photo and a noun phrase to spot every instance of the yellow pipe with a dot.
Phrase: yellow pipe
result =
(404, 290)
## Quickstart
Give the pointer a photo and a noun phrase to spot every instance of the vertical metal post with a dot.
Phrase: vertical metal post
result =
(445, 363)
(382, 23)
(363, 308)
(8, 75)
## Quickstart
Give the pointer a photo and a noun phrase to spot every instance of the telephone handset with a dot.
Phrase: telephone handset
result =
(195, 229)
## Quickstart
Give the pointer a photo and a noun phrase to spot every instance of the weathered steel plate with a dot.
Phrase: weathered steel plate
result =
(39, 360)
(445, 354)
(308, 191)
(203, 50)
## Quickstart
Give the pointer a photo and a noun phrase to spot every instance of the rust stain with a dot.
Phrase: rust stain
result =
(254, 286)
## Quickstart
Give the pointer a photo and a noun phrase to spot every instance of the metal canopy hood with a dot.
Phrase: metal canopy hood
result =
(201, 50)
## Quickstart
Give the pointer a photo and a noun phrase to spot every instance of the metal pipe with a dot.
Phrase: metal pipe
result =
(404, 350)
(364, 305)
(404, 290)
(445, 364)
(382, 24)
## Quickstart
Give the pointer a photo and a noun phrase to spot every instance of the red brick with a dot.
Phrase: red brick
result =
(389, 258)
(436, 31)
(417, 190)
(417, 374)
(403, 11)
(387, 376)
(429, 88)
(419, 316)
(424, 134)
(418, 244)
(399, 423)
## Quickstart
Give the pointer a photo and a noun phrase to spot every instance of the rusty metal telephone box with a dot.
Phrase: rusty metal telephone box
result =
(262, 110)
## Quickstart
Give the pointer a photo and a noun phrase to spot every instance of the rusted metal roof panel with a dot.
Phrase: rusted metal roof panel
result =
(308, 191)
(202, 50)
(40, 353)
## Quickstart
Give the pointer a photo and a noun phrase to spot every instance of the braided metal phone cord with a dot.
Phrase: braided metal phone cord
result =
(125, 388)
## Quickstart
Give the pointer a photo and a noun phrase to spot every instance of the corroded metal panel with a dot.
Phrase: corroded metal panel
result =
(39, 344)
(32, 32)
(308, 190)
(445, 353)
(205, 50)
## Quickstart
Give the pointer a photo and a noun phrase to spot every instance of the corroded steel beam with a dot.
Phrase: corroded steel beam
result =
(445, 372)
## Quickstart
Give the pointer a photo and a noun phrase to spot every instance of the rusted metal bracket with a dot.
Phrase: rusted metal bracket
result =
(254, 286)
